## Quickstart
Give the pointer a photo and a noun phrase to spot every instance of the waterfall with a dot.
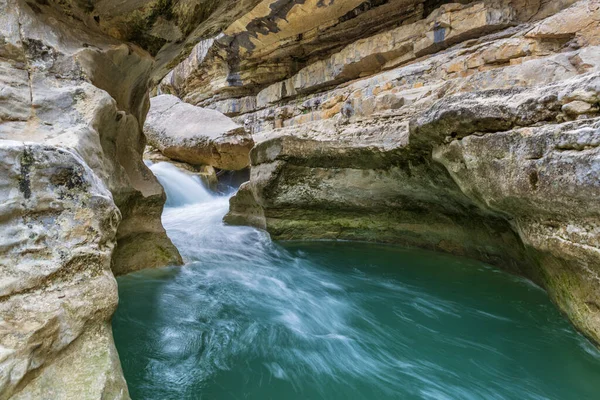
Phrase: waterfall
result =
(181, 188)
(193, 218)
(248, 318)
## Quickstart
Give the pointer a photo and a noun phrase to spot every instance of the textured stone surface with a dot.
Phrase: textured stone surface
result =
(74, 192)
(195, 135)
(59, 224)
(486, 149)
(168, 30)
(381, 120)
(275, 52)
(547, 179)
(77, 203)
(276, 39)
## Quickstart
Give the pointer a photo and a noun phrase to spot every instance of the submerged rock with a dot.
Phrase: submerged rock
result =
(196, 135)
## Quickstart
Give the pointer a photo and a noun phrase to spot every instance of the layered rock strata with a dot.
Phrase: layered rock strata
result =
(474, 132)
(468, 127)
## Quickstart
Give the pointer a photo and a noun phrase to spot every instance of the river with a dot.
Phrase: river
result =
(248, 318)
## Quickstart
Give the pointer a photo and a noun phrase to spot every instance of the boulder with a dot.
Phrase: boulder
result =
(196, 135)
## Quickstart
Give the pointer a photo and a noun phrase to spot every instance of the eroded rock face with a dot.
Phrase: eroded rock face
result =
(380, 120)
(58, 227)
(76, 199)
(547, 180)
(196, 135)
(276, 51)
(77, 203)
(486, 149)
(273, 41)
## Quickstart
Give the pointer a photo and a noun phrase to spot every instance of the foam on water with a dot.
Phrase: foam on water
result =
(181, 188)
(248, 318)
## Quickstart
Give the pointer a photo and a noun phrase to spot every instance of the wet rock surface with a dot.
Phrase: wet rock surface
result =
(481, 141)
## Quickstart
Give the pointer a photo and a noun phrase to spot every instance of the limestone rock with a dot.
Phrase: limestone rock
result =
(274, 52)
(380, 120)
(275, 40)
(195, 135)
(76, 198)
(487, 149)
(547, 179)
(577, 107)
(59, 227)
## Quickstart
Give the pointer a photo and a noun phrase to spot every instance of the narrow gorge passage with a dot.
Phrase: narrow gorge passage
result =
(253, 319)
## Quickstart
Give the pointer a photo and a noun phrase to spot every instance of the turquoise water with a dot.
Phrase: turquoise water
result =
(250, 319)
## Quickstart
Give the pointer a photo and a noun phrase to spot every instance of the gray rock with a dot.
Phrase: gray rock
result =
(59, 224)
(480, 158)
(196, 135)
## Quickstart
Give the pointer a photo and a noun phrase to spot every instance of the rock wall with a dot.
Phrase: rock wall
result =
(77, 204)
(76, 200)
(469, 128)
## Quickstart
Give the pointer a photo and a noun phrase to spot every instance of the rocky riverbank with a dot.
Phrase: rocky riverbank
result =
(77, 203)
(465, 128)
(471, 128)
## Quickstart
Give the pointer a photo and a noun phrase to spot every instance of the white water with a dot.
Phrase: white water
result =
(268, 293)
(248, 318)
(181, 188)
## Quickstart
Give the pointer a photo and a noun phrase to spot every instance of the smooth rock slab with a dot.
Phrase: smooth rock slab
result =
(195, 135)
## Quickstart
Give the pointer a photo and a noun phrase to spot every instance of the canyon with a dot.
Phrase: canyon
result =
(468, 127)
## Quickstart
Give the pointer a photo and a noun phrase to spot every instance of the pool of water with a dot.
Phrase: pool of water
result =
(247, 318)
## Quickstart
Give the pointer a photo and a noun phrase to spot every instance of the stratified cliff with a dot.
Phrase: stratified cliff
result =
(470, 128)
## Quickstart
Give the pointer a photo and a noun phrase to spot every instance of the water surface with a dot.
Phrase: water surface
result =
(247, 318)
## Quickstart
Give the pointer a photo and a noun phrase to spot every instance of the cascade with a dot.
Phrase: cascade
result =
(247, 317)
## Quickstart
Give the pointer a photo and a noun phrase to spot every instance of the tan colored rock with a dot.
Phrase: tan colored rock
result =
(59, 226)
(559, 223)
(577, 107)
(76, 200)
(360, 182)
(486, 168)
(195, 135)
(275, 39)
(233, 107)
(581, 23)
(453, 23)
